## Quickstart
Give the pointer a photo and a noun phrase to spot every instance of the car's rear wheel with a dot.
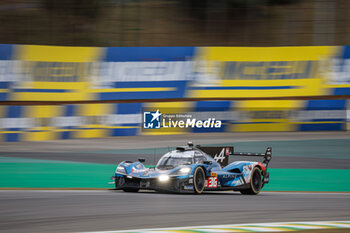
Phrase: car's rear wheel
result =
(256, 183)
(198, 180)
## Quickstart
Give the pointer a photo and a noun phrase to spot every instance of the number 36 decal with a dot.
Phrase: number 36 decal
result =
(212, 182)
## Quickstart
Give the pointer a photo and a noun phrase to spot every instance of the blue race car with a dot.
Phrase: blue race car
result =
(194, 169)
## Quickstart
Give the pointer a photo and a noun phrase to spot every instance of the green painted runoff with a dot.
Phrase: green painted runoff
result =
(33, 173)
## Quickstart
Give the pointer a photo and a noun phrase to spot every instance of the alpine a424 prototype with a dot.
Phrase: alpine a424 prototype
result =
(194, 169)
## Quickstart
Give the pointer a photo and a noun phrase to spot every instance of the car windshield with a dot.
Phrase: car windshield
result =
(169, 162)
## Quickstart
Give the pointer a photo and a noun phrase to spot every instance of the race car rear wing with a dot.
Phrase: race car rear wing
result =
(267, 155)
(222, 153)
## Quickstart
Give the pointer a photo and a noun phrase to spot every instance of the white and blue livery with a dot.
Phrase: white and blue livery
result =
(194, 169)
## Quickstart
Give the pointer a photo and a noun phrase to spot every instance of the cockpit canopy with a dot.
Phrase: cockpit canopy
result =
(178, 158)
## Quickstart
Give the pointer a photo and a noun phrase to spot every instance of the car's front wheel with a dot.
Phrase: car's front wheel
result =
(255, 183)
(198, 180)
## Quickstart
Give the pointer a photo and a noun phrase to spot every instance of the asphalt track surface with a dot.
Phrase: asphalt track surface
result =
(77, 211)
(112, 150)
(151, 141)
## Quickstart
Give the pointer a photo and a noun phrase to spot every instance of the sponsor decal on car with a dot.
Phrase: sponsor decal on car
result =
(221, 156)
(228, 176)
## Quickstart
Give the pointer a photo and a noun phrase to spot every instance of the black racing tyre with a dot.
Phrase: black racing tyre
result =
(198, 180)
(119, 181)
(131, 190)
(256, 183)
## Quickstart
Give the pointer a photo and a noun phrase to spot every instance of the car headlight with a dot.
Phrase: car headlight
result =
(120, 169)
(163, 178)
(182, 171)
(185, 170)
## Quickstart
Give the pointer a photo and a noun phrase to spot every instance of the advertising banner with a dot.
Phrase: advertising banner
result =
(338, 77)
(234, 72)
(52, 122)
(56, 73)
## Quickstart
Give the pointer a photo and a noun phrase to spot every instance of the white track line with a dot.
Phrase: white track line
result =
(254, 227)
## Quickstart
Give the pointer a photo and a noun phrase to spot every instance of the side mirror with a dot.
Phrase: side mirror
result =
(142, 160)
(208, 162)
